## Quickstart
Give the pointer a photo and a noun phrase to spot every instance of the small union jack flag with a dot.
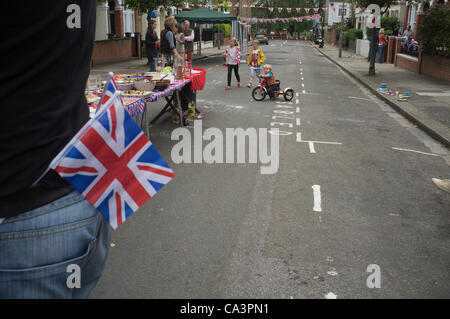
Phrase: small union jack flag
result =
(112, 163)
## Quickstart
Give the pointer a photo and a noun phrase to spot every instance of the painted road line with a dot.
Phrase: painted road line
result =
(298, 121)
(359, 98)
(435, 94)
(290, 125)
(297, 109)
(304, 92)
(311, 147)
(414, 151)
(274, 117)
(317, 198)
(296, 94)
(299, 137)
(303, 85)
(297, 100)
(324, 142)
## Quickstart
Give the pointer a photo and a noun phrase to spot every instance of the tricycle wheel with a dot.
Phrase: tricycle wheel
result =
(289, 94)
(258, 96)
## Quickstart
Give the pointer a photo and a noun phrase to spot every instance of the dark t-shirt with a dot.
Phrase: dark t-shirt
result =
(45, 52)
(150, 39)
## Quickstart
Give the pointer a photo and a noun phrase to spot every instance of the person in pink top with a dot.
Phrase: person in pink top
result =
(232, 59)
(381, 45)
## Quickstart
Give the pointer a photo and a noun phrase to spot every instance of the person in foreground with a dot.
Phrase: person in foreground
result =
(53, 243)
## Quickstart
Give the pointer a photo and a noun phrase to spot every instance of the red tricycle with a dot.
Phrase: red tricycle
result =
(260, 92)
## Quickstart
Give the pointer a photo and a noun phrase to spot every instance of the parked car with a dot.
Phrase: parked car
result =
(262, 38)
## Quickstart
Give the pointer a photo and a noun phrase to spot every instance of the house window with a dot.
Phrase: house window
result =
(128, 21)
(112, 17)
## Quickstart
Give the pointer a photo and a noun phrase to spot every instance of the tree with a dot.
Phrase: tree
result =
(435, 30)
(145, 6)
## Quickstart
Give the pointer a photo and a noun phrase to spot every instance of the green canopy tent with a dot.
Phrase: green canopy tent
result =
(203, 16)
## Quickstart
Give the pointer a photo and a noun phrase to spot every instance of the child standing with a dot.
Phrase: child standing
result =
(255, 60)
(271, 83)
(232, 59)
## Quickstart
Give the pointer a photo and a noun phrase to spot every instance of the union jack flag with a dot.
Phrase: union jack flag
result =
(112, 163)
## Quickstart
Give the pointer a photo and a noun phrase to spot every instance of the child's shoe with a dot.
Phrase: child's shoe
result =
(239, 85)
(227, 88)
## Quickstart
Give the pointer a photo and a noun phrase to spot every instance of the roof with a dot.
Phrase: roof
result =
(203, 15)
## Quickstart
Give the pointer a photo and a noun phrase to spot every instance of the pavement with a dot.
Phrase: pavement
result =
(353, 191)
(429, 105)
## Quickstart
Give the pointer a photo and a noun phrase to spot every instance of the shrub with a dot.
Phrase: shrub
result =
(389, 23)
(388, 32)
(354, 34)
(435, 30)
(225, 29)
(345, 39)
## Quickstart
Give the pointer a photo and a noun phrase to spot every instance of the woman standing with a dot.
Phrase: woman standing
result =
(381, 45)
(168, 41)
(152, 42)
(232, 59)
(179, 37)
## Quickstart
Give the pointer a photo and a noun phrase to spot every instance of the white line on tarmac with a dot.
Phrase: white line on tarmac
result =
(296, 100)
(303, 85)
(317, 198)
(304, 92)
(296, 94)
(298, 121)
(297, 109)
(407, 150)
(311, 147)
(359, 98)
(447, 93)
(324, 142)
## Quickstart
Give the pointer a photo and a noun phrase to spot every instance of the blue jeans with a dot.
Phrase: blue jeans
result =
(36, 248)
(380, 52)
(151, 55)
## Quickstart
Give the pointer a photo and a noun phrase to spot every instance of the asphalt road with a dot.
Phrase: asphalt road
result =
(227, 231)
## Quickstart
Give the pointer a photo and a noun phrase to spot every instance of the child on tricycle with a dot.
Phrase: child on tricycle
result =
(268, 85)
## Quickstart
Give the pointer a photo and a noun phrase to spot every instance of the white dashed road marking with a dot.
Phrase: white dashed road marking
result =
(317, 198)
(407, 150)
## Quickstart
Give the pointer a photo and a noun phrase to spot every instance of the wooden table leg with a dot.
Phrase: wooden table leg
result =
(164, 110)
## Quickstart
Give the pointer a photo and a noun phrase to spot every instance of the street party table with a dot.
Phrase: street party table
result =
(138, 105)
(197, 81)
